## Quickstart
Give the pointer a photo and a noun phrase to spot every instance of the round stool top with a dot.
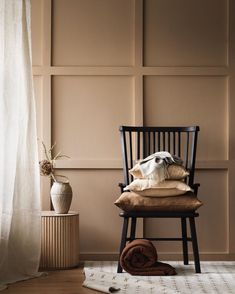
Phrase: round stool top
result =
(52, 213)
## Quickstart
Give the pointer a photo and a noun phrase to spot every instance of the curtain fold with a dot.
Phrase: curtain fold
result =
(19, 173)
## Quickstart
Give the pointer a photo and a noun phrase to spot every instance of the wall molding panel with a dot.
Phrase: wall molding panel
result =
(140, 63)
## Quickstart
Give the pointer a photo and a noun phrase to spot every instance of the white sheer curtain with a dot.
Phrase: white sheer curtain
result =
(19, 174)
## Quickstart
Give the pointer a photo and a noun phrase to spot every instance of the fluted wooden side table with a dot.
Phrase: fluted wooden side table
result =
(59, 240)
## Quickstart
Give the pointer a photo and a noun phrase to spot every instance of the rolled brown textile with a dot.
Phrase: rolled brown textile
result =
(139, 258)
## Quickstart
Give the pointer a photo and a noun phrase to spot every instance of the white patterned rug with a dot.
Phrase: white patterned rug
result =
(216, 277)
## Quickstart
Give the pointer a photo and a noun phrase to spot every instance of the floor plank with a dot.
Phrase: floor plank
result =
(56, 282)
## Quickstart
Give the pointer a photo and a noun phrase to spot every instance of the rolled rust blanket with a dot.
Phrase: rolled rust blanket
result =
(139, 258)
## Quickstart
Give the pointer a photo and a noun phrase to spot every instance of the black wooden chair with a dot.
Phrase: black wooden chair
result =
(138, 143)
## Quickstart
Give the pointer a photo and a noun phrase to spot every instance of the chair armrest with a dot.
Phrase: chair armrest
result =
(122, 186)
(195, 188)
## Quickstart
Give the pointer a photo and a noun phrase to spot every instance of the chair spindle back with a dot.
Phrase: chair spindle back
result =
(139, 142)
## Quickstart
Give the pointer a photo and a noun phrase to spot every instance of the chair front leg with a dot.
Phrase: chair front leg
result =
(195, 245)
(123, 241)
(133, 228)
(184, 239)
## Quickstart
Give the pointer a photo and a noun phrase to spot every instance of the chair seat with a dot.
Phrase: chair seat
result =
(153, 214)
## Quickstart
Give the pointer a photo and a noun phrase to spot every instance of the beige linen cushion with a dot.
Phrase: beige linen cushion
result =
(175, 172)
(147, 187)
(135, 171)
(132, 201)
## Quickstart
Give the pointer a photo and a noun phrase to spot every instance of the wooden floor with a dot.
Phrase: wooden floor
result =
(56, 282)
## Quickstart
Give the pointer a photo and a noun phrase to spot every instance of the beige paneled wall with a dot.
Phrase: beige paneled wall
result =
(191, 100)
(185, 33)
(95, 108)
(102, 63)
(100, 33)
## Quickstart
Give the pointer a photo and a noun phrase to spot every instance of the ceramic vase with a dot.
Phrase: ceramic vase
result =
(61, 197)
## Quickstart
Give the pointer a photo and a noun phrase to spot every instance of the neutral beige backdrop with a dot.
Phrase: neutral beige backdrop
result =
(99, 64)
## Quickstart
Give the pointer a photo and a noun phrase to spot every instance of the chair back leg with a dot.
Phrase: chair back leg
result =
(123, 241)
(195, 245)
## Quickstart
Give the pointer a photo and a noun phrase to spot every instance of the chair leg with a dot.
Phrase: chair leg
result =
(184, 239)
(123, 241)
(133, 228)
(195, 245)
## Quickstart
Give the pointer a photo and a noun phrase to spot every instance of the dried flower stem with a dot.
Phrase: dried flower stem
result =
(45, 151)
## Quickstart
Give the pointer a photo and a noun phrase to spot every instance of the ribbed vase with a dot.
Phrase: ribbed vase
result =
(61, 196)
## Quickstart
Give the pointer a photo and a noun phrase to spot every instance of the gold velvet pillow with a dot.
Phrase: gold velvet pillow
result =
(147, 187)
(131, 201)
(175, 172)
